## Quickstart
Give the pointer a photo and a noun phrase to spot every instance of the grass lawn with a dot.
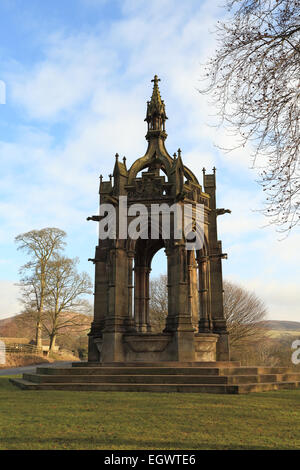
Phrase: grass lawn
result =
(107, 420)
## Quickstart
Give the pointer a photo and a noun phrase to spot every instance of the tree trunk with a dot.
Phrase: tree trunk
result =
(52, 342)
(38, 338)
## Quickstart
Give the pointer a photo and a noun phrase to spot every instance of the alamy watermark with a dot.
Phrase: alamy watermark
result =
(2, 352)
(152, 222)
(296, 353)
(2, 92)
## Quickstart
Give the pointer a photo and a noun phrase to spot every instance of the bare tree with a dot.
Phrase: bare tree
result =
(254, 81)
(40, 245)
(244, 312)
(64, 300)
(158, 303)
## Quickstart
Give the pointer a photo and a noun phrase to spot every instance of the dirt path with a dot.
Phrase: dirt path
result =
(32, 368)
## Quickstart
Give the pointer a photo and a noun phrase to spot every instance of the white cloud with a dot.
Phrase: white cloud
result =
(96, 86)
(281, 298)
(9, 304)
(72, 69)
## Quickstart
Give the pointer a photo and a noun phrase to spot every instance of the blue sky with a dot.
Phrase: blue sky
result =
(77, 77)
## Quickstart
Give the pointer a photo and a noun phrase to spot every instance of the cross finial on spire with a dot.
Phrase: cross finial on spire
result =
(155, 80)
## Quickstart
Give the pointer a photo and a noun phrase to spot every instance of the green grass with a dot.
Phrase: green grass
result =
(104, 420)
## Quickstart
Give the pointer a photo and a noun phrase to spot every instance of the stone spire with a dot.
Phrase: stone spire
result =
(156, 113)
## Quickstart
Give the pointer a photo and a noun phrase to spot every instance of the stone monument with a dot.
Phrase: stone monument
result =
(195, 327)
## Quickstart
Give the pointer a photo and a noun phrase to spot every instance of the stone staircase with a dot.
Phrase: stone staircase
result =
(193, 377)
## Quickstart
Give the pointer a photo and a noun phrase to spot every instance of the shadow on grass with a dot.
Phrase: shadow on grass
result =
(90, 443)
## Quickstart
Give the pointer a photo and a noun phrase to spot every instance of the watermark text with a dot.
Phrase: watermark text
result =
(176, 221)
(296, 353)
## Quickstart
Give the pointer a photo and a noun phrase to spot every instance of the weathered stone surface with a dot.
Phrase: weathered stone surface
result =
(195, 326)
(205, 347)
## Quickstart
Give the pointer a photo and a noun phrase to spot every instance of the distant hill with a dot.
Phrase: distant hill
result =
(279, 325)
(16, 327)
(19, 327)
(13, 323)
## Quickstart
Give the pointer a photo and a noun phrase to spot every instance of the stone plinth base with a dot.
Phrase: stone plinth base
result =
(205, 347)
(146, 347)
(178, 346)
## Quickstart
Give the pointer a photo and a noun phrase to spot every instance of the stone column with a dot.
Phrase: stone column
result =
(147, 298)
(137, 280)
(204, 321)
(218, 319)
(193, 291)
(170, 320)
(116, 323)
(140, 273)
(180, 321)
(217, 313)
(100, 305)
(130, 314)
(190, 289)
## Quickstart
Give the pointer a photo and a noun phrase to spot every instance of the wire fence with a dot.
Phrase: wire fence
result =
(22, 348)
(26, 348)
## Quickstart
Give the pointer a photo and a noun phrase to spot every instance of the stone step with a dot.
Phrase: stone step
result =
(161, 388)
(128, 371)
(261, 378)
(111, 387)
(216, 377)
(255, 370)
(148, 370)
(25, 384)
(215, 364)
(160, 379)
(127, 379)
(267, 387)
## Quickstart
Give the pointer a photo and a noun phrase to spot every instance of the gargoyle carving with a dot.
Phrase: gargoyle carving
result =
(222, 211)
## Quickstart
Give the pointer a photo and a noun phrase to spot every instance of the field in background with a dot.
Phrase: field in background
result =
(284, 333)
(274, 349)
